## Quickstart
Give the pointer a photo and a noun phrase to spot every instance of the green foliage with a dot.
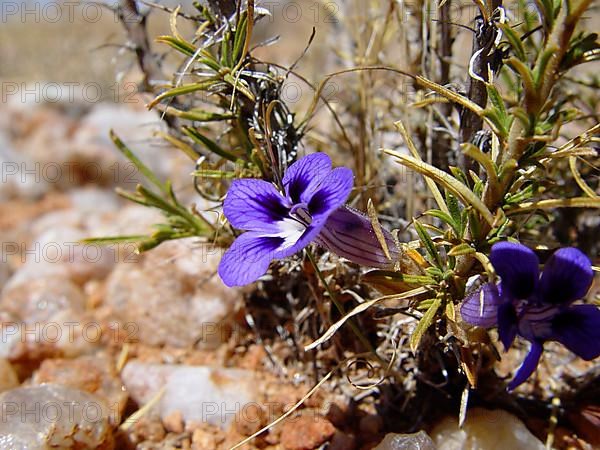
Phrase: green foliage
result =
(181, 221)
(230, 118)
(426, 321)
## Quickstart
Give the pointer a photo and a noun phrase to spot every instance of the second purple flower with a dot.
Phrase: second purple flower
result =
(537, 308)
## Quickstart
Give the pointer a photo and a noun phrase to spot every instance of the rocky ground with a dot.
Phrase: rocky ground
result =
(102, 348)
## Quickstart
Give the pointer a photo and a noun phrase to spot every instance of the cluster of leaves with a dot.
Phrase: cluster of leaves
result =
(510, 191)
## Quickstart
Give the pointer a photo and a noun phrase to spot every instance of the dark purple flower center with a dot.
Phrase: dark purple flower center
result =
(274, 207)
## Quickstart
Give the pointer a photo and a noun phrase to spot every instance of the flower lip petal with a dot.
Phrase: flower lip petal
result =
(331, 194)
(567, 277)
(517, 266)
(254, 205)
(535, 321)
(528, 366)
(306, 238)
(578, 329)
(303, 177)
(248, 258)
(481, 307)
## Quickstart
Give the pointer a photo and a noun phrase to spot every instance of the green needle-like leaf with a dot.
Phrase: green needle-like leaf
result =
(424, 324)
(447, 181)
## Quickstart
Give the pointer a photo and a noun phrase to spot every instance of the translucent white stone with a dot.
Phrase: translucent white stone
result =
(52, 416)
(485, 430)
(202, 394)
(415, 441)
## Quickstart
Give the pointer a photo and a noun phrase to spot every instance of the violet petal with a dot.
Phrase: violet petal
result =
(578, 329)
(254, 205)
(481, 307)
(247, 259)
(567, 276)
(307, 237)
(528, 366)
(331, 193)
(517, 266)
(303, 177)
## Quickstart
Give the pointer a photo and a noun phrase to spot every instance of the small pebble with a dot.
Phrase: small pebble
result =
(174, 422)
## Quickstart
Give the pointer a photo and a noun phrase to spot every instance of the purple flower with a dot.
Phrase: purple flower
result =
(310, 209)
(280, 224)
(538, 308)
